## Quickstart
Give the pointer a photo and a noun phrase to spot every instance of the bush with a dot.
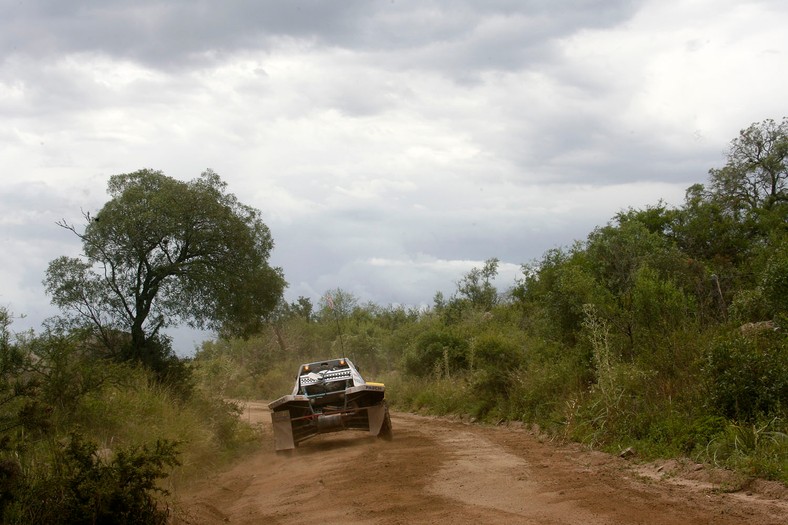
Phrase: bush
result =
(547, 390)
(747, 376)
(775, 281)
(496, 352)
(133, 412)
(79, 486)
(436, 349)
(667, 431)
(758, 449)
(494, 358)
(749, 306)
(440, 396)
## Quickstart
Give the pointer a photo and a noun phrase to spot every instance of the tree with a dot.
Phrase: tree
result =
(302, 307)
(476, 286)
(163, 252)
(336, 304)
(756, 174)
(554, 290)
(657, 219)
(736, 223)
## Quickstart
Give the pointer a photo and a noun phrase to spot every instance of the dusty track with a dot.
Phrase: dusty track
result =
(439, 471)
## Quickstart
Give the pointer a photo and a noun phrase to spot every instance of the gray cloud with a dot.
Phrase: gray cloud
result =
(390, 146)
(165, 34)
(457, 36)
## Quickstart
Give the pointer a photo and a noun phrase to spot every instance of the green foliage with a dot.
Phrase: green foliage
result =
(22, 411)
(774, 280)
(53, 386)
(554, 290)
(723, 245)
(229, 368)
(671, 431)
(756, 448)
(475, 293)
(336, 304)
(132, 411)
(495, 358)
(163, 251)
(747, 375)
(749, 306)
(657, 219)
(82, 487)
(547, 388)
(66, 371)
(765, 296)
(476, 286)
(619, 251)
(756, 174)
(441, 351)
(496, 352)
(441, 396)
(658, 304)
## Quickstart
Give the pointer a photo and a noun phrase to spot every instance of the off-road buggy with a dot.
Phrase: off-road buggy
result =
(329, 396)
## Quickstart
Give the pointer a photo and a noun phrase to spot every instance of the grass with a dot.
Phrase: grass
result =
(140, 411)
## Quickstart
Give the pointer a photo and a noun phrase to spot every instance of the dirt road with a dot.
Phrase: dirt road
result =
(439, 471)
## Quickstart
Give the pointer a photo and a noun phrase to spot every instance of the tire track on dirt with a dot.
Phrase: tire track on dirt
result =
(442, 471)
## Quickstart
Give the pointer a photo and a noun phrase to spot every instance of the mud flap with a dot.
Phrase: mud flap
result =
(283, 430)
(376, 415)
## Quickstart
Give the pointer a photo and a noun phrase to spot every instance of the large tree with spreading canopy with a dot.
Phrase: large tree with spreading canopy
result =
(163, 252)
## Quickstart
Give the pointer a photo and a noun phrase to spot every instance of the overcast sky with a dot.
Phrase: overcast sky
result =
(390, 145)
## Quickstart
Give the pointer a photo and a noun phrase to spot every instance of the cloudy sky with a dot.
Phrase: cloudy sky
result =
(391, 145)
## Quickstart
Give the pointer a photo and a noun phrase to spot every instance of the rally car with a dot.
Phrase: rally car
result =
(329, 396)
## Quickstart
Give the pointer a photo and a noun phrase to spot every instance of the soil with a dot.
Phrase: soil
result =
(439, 470)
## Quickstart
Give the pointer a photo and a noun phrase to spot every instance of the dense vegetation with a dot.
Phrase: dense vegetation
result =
(665, 330)
(89, 439)
(97, 411)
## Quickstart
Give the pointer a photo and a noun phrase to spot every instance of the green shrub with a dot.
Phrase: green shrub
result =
(495, 357)
(688, 436)
(775, 280)
(747, 375)
(79, 486)
(757, 449)
(436, 348)
(668, 431)
(496, 352)
(440, 396)
(547, 390)
(140, 409)
(749, 306)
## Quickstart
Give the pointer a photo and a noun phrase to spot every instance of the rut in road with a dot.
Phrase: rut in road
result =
(440, 471)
